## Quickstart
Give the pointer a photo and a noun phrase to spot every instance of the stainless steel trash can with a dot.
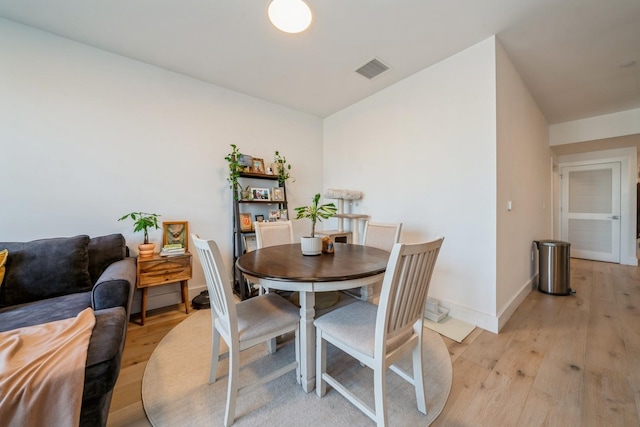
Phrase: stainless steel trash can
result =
(553, 269)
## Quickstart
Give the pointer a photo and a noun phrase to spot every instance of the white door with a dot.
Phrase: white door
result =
(590, 217)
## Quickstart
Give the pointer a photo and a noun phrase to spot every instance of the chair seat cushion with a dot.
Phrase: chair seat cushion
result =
(263, 315)
(355, 326)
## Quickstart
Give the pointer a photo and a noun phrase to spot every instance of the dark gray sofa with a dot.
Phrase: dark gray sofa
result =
(54, 279)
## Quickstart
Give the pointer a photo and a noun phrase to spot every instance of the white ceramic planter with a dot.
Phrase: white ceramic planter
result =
(311, 245)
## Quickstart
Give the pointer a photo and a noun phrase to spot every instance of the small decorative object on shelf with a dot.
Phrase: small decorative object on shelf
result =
(312, 245)
(175, 233)
(327, 245)
(261, 194)
(172, 250)
(142, 221)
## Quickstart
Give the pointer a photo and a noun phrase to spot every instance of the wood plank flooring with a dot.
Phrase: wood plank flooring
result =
(559, 361)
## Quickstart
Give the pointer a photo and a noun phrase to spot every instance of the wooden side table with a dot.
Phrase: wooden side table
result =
(159, 270)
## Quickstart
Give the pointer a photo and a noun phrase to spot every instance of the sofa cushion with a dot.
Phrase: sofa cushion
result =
(48, 310)
(103, 251)
(45, 268)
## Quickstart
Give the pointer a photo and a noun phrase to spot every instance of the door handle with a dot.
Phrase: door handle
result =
(614, 217)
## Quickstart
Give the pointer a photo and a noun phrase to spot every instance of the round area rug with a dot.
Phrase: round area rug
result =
(175, 388)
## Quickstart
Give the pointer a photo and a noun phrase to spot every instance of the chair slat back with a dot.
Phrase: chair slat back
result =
(218, 283)
(273, 233)
(405, 287)
(381, 235)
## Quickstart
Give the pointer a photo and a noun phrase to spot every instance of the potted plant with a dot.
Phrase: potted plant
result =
(235, 168)
(142, 221)
(312, 245)
(282, 168)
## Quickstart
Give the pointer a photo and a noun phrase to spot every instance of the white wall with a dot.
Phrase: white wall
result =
(524, 179)
(87, 136)
(599, 127)
(423, 152)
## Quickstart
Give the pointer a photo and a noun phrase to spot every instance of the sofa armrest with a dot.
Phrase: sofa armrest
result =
(115, 286)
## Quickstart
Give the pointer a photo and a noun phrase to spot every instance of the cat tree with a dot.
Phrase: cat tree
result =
(341, 196)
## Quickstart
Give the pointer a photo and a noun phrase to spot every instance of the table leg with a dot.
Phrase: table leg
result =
(307, 341)
(185, 295)
(143, 306)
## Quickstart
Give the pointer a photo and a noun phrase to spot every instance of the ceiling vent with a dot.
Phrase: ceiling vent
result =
(372, 69)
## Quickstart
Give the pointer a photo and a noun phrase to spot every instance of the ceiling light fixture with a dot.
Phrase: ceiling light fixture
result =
(290, 16)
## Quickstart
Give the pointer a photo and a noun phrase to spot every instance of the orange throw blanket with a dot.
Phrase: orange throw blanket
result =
(42, 372)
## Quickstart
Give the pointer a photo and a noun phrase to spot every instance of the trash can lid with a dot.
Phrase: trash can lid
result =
(552, 243)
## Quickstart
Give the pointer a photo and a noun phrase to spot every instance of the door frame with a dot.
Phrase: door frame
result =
(628, 178)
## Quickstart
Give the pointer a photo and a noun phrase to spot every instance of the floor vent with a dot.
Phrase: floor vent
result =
(372, 69)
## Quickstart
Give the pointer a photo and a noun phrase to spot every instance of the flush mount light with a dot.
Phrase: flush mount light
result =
(290, 16)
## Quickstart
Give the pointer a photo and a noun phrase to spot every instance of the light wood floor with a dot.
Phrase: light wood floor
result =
(559, 361)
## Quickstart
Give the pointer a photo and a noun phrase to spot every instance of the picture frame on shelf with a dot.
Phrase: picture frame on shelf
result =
(261, 194)
(284, 215)
(274, 215)
(259, 218)
(258, 166)
(250, 243)
(277, 194)
(175, 232)
(245, 222)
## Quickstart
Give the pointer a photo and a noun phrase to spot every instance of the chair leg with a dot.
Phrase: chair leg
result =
(232, 389)
(215, 355)
(297, 349)
(321, 363)
(380, 393)
(418, 379)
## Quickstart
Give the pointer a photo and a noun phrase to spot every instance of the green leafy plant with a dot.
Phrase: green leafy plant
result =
(284, 168)
(142, 221)
(315, 212)
(235, 168)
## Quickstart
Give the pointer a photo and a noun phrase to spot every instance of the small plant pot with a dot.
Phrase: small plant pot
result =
(146, 249)
(311, 245)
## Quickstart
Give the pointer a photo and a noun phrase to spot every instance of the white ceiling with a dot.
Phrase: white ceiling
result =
(568, 52)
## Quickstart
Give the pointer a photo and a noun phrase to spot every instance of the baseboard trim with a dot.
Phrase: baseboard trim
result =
(163, 296)
(486, 321)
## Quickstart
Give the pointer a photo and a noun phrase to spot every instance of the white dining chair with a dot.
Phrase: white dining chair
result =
(379, 336)
(382, 236)
(243, 325)
(273, 233)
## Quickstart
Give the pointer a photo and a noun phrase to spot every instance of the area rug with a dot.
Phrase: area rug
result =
(175, 389)
(452, 328)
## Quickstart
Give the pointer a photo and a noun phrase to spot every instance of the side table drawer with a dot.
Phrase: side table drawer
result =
(165, 270)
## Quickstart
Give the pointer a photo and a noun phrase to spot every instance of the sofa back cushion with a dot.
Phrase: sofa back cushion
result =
(45, 268)
(104, 251)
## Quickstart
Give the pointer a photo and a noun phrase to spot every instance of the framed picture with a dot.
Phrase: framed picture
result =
(260, 194)
(274, 215)
(258, 166)
(250, 243)
(278, 194)
(245, 222)
(259, 218)
(175, 233)
(284, 214)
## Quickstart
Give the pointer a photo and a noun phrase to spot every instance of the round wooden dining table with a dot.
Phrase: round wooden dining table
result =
(284, 267)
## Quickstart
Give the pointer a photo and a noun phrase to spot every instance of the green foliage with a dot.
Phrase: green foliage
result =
(142, 221)
(235, 168)
(284, 168)
(315, 212)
